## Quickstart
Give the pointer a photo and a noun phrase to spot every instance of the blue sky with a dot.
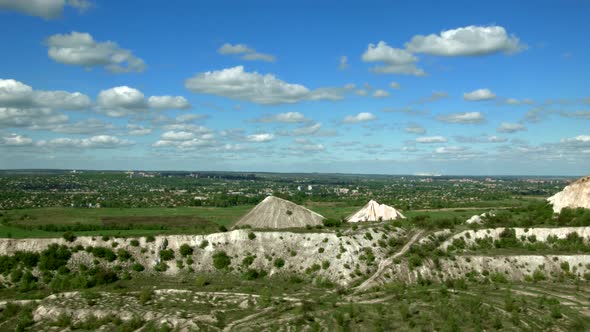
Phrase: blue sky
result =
(364, 87)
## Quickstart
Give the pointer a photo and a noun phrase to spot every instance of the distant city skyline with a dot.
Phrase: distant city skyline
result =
(373, 87)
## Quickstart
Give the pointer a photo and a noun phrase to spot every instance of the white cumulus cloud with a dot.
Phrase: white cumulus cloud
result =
(464, 118)
(361, 117)
(379, 93)
(259, 138)
(288, 117)
(15, 140)
(17, 94)
(94, 142)
(579, 138)
(431, 139)
(415, 129)
(509, 128)
(235, 83)
(120, 101)
(479, 95)
(32, 118)
(245, 52)
(467, 41)
(47, 9)
(395, 60)
(168, 102)
(177, 135)
(80, 49)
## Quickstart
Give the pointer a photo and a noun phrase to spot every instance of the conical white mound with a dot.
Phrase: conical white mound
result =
(374, 211)
(274, 212)
(575, 195)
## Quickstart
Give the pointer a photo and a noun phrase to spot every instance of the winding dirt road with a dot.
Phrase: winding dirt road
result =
(387, 262)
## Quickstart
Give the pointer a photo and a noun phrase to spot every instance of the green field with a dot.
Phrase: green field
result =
(28, 223)
(12, 219)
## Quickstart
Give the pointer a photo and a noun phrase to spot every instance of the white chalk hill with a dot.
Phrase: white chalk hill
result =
(374, 211)
(277, 213)
(575, 195)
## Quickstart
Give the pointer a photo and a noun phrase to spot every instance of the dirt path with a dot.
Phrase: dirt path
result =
(387, 262)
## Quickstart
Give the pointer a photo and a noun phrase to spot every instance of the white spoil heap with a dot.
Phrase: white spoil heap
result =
(374, 211)
(575, 195)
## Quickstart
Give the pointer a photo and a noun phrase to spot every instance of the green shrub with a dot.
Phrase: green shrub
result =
(25, 319)
(27, 258)
(134, 243)
(414, 260)
(137, 267)
(221, 260)
(279, 263)
(150, 238)
(166, 254)
(15, 275)
(145, 296)
(252, 274)
(321, 250)
(54, 257)
(123, 255)
(102, 252)
(251, 236)
(222, 229)
(499, 278)
(7, 263)
(248, 260)
(204, 244)
(538, 275)
(313, 268)
(331, 223)
(161, 267)
(565, 266)
(186, 250)
(69, 236)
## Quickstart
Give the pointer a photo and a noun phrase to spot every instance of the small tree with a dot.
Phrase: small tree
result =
(251, 236)
(69, 236)
(166, 254)
(221, 260)
(279, 263)
(186, 250)
(137, 267)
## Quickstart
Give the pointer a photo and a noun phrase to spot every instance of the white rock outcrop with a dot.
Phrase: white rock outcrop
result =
(478, 219)
(299, 250)
(575, 195)
(541, 234)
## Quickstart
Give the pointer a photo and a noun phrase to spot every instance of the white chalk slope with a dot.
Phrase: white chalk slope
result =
(374, 211)
(277, 213)
(575, 195)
